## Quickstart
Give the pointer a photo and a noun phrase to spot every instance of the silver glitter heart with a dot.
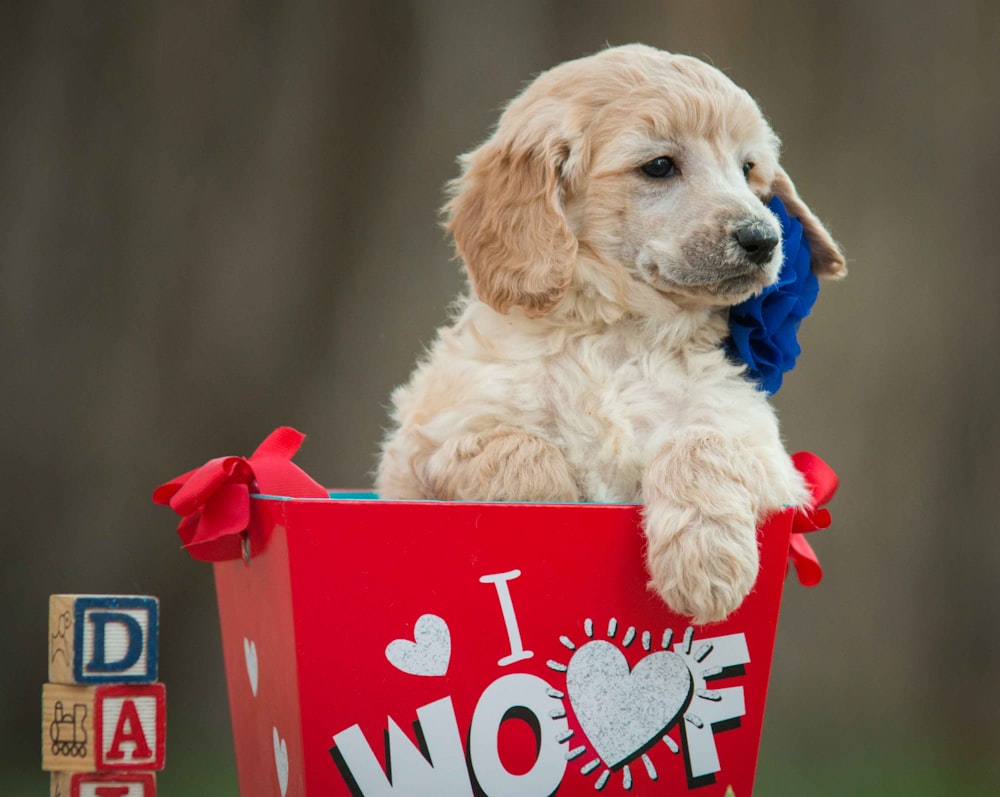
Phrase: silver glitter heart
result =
(621, 712)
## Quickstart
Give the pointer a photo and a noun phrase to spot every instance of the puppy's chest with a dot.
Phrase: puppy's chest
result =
(608, 405)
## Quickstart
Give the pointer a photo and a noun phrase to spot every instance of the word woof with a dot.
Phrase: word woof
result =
(625, 717)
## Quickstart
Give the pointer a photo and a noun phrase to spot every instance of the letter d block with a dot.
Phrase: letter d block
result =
(100, 639)
(126, 784)
(103, 728)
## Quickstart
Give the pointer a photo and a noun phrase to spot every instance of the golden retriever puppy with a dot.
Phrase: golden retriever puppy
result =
(607, 225)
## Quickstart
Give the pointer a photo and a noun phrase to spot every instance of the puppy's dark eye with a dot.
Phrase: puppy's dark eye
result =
(659, 168)
(747, 168)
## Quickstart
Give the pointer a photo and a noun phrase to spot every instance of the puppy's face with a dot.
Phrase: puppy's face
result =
(654, 165)
(675, 192)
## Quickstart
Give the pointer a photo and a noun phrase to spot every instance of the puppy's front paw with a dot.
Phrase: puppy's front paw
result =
(705, 570)
(501, 464)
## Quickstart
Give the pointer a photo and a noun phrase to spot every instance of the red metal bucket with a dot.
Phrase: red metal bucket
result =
(447, 649)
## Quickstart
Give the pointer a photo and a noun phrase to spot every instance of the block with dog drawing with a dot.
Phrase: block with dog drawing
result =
(95, 639)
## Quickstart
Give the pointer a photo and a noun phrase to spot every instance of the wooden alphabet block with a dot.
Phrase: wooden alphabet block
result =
(99, 639)
(103, 784)
(103, 728)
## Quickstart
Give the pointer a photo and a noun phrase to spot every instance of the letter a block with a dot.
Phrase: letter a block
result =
(105, 784)
(103, 728)
(100, 639)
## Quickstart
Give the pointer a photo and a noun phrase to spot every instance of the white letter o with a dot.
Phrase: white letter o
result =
(517, 690)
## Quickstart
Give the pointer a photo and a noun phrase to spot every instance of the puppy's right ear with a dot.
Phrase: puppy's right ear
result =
(507, 220)
(827, 259)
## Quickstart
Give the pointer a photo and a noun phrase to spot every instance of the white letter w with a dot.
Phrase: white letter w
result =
(409, 772)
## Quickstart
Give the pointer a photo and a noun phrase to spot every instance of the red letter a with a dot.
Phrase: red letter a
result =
(129, 729)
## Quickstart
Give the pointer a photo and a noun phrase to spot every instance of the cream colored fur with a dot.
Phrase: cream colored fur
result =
(586, 364)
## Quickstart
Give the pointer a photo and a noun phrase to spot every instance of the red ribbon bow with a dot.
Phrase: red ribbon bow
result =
(214, 500)
(822, 483)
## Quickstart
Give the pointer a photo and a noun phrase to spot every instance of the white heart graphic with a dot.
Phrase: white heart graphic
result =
(430, 651)
(621, 712)
(281, 761)
(250, 654)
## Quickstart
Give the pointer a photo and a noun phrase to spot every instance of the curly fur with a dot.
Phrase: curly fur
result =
(585, 363)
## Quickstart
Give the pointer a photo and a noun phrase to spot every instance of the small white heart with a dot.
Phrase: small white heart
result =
(281, 761)
(430, 651)
(250, 654)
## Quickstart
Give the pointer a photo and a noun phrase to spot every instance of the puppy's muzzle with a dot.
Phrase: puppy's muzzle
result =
(757, 240)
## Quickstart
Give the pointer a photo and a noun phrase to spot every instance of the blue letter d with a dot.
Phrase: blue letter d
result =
(133, 651)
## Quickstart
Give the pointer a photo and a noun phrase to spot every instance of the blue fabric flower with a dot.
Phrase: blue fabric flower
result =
(763, 330)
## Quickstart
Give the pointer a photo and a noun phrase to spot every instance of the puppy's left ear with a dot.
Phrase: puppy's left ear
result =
(506, 213)
(827, 259)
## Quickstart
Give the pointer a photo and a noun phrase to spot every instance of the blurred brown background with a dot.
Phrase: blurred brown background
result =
(217, 218)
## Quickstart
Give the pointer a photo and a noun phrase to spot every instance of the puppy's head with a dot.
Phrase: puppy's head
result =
(655, 164)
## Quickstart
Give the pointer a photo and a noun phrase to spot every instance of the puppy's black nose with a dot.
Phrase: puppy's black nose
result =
(758, 241)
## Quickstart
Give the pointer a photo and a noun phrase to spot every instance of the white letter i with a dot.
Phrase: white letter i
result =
(517, 651)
